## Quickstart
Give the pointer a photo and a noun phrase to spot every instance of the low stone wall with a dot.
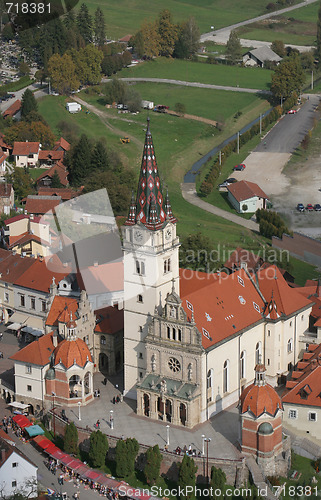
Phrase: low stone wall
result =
(235, 470)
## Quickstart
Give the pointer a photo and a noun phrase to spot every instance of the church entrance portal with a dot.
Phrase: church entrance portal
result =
(146, 405)
(103, 362)
(182, 413)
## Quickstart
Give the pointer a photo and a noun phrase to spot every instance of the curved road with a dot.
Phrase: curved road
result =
(222, 35)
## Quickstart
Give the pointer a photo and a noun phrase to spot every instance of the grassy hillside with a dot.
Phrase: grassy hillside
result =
(125, 16)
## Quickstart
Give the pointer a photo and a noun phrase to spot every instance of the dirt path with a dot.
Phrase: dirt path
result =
(192, 117)
(103, 117)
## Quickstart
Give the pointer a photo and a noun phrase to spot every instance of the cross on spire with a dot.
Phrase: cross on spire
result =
(149, 208)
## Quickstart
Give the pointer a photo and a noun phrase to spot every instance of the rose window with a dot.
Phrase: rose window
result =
(174, 365)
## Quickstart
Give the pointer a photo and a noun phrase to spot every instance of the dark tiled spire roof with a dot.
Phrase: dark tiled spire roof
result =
(149, 208)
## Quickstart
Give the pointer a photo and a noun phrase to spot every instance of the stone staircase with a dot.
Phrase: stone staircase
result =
(258, 478)
(304, 446)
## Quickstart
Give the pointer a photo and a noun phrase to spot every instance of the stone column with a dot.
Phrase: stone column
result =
(176, 420)
(153, 406)
(140, 403)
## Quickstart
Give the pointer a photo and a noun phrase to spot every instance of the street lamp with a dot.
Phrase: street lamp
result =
(207, 440)
(167, 434)
(203, 437)
(79, 416)
(53, 411)
(212, 28)
(111, 419)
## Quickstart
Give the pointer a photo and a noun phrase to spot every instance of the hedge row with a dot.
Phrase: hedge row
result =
(271, 223)
(212, 176)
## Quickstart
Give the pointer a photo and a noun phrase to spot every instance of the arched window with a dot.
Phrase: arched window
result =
(226, 376)
(103, 340)
(290, 345)
(209, 379)
(243, 364)
(258, 352)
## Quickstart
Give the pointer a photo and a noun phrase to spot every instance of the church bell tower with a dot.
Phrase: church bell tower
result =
(151, 263)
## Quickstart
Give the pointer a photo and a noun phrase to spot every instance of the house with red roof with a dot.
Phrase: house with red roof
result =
(45, 179)
(40, 205)
(6, 197)
(28, 235)
(26, 154)
(246, 196)
(14, 111)
(62, 145)
(302, 397)
(192, 339)
(18, 473)
(48, 158)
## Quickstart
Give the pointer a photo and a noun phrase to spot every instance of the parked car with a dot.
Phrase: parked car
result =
(309, 207)
(224, 184)
(300, 207)
(317, 207)
(230, 180)
(239, 167)
(292, 112)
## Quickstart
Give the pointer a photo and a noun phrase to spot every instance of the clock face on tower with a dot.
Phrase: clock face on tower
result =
(138, 236)
(168, 234)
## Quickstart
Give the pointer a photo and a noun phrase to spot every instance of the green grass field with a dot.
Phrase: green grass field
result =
(216, 74)
(297, 27)
(125, 16)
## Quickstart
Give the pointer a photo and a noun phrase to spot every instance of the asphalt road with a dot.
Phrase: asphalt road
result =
(18, 95)
(224, 33)
(286, 136)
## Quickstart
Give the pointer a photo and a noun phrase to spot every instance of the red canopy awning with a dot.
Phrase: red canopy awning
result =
(43, 442)
(75, 464)
(92, 475)
(112, 484)
(83, 470)
(66, 460)
(58, 454)
(51, 449)
(22, 421)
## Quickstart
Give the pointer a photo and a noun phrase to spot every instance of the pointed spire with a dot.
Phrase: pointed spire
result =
(259, 372)
(149, 207)
(168, 207)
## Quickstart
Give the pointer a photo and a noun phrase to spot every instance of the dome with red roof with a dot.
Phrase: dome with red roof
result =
(260, 397)
(72, 352)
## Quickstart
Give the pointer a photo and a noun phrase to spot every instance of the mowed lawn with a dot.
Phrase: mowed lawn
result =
(125, 16)
(216, 74)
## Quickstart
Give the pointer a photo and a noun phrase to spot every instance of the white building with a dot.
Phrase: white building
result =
(73, 107)
(246, 196)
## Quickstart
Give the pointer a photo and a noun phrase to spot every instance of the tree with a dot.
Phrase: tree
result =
(126, 452)
(71, 439)
(119, 188)
(79, 166)
(180, 108)
(62, 72)
(99, 159)
(188, 40)
(318, 49)
(137, 42)
(87, 63)
(278, 47)
(21, 181)
(153, 462)
(99, 27)
(24, 69)
(115, 91)
(196, 252)
(288, 77)
(40, 75)
(55, 180)
(84, 23)
(98, 447)
(186, 475)
(307, 60)
(233, 47)
(151, 39)
(28, 103)
(218, 480)
(30, 131)
(168, 33)
(132, 99)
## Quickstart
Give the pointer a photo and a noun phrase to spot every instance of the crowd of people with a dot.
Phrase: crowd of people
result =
(187, 451)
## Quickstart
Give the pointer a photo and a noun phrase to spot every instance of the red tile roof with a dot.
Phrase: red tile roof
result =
(244, 190)
(239, 256)
(102, 278)
(60, 307)
(25, 148)
(24, 238)
(260, 399)
(273, 286)
(13, 266)
(51, 155)
(41, 204)
(307, 390)
(13, 109)
(3, 157)
(39, 277)
(61, 170)
(222, 305)
(24, 216)
(36, 353)
(109, 320)
(125, 38)
(70, 352)
(3, 144)
(62, 143)
(64, 193)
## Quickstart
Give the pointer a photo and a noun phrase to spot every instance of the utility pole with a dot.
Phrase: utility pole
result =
(238, 143)
(260, 123)
(312, 80)
(220, 157)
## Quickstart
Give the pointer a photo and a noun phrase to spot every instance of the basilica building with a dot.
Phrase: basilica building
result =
(192, 339)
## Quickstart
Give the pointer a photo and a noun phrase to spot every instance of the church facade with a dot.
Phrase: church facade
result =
(191, 339)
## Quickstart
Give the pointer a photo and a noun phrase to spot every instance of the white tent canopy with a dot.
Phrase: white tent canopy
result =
(14, 326)
(18, 405)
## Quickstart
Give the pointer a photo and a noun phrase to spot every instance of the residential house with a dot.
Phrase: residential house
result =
(260, 56)
(18, 474)
(48, 158)
(6, 198)
(125, 39)
(301, 399)
(28, 235)
(246, 196)
(45, 179)
(40, 205)
(4, 146)
(65, 194)
(26, 154)
(14, 111)
(3, 163)
(62, 145)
